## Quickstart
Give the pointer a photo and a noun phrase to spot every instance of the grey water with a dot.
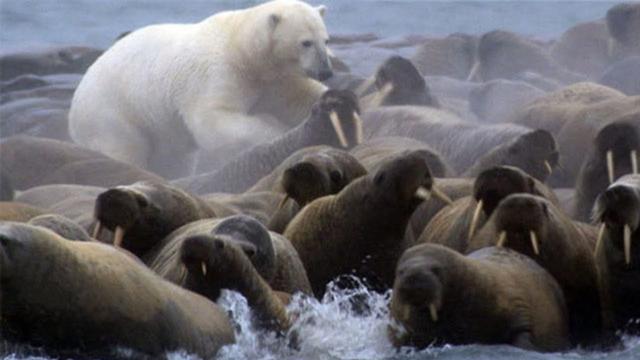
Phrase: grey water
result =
(330, 328)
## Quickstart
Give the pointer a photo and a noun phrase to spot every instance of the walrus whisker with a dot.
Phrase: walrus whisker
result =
(502, 238)
(548, 167)
(440, 195)
(434, 312)
(283, 201)
(534, 242)
(97, 230)
(358, 123)
(337, 126)
(204, 268)
(599, 240)
(634, 161)
(118, 237)
(610, 166)
(627, 244)
(474, 220)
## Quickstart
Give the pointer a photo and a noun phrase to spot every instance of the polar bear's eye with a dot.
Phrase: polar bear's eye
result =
(307, 43)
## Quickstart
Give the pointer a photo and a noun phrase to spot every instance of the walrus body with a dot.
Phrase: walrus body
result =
(491, 296)
(78, 295)
(335, 233)
(535, 227)
(20, 212)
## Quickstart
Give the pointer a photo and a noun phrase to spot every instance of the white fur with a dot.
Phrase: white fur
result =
(163, 86)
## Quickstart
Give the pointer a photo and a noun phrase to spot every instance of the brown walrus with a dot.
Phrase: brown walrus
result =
(61, 226)
(618, 251)
(272, 255)
(455, 225)
(17, 211)
(535, 227)
(491, 296)
(143, 213)
(365, 221)
(72, 295)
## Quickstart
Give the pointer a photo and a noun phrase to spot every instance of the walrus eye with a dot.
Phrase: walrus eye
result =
(307, 43)
(142, 201)
(378, 179)
(545, 210)
(335, 176)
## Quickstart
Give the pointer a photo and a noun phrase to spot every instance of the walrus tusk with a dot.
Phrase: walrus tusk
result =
(364, 86)
(118, 237)
(627, 244)
(204, 268)
(534, 242)
(474, 220)
(548, 167)
(502, 238)
(283, 201)
(600, 237)
(423, 193)
(337, 126)
(634, 161)
(434, 312)
(382, 93)
(440, 195)
(474, 71)
(97, 230)
(610, 165)
(358, 123)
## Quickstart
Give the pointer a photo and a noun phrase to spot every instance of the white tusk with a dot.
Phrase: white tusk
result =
(382, 93)
(634, 161)
(440, 195)
(548, 167)
(610, 167)
(434, 312)
(358, 123)
(283, 201)
(119, 236)
(627, 244)
(534, 242)
(474, 71)
(97, 230)
(337, 126)
(474, 220)
(364, 86)
(204, 268)
(600, 238)
(502, 238)
(423, 193)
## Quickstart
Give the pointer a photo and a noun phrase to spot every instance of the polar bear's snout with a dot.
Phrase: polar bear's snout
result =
(316, 63)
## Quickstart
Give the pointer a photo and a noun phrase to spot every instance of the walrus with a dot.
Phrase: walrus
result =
(66, 59)
(7, 191)
(365, 222)
(491, 296)
(455, 225)
(535, 227)
(583, 48)
(272, 255)
(19, 212)
(623, 23)
(495, 101)
(617, 210)
(30, 161)
(451, 56)
(398, 82)
(61, 226)
(73, 295)
(221, 264)
(623, 75)
(143, 213)
(615, 152)
(334, 120)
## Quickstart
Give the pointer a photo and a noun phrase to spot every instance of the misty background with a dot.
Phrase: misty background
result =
(26, 24)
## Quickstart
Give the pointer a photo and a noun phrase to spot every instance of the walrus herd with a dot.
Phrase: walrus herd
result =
(491, 183)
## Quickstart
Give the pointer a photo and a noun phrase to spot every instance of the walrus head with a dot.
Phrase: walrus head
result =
(618, 211)
(521, 220)
(336, 118)
(617, 148)
(405, 180)
(623, 23)
(320, 174)
(400, 83)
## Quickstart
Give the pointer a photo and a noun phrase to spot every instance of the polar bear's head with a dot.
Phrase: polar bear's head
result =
(299, 38)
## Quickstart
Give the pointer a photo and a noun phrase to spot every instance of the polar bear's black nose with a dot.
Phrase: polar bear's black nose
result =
(325, 74)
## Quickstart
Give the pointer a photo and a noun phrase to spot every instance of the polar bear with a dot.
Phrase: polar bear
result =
(163, 91)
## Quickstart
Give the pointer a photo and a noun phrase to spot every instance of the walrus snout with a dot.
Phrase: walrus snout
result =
(303, 182)
(420, 287)
(118, 210)
(619, 145)
(619, 206)
(341, 108)
(520, 220)
(536, 152)
(496, 183)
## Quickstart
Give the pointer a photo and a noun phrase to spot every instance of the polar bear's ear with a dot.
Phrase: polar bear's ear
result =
(274, 20)
(321, 9)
